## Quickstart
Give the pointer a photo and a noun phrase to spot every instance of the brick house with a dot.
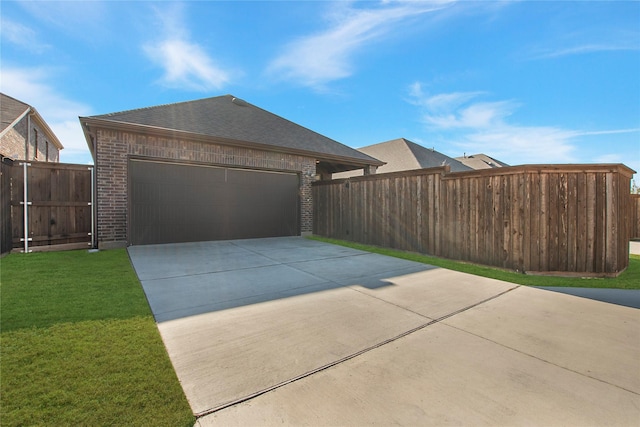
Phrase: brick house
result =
(211, 169)
(25, 135)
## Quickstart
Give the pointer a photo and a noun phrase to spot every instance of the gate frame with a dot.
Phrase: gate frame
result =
(26, 203)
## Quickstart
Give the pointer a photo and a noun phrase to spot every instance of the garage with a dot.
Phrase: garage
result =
(179, 202)
(210, 169)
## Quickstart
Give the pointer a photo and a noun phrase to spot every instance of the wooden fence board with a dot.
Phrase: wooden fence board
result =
(485, 229)
(536, 230)
(505, 206)
(591, 222)
(600, 237)
(515, 229)
(611, 223)
(581, 222)
(635, 216)
(6, 241)
(562, 222)
(556, 218)
(553, 223)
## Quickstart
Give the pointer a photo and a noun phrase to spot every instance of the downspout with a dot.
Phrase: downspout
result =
(28, 143)
(93, 207)
(25, 206)
(94, 189)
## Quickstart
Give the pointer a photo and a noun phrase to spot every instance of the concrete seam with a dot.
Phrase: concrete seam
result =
(390, 303)
(346, 358)
(542, 360)
(209, 272)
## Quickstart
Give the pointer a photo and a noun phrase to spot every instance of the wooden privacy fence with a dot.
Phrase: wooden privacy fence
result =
(635, 216)
(5, 205)
(58, 206)
(536, 219)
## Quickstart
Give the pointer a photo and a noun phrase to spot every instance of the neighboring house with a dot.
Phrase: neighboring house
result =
(211, 169)
(401, 154)
(480, 161)
(25, 135)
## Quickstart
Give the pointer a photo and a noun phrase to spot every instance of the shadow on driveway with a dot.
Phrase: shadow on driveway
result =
(187, 279)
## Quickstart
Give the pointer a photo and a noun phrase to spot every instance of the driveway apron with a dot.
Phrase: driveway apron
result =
(264, 331)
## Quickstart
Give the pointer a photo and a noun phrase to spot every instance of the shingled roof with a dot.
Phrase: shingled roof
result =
(13, 110)
(401, 154)
(480, 161)
(232, 119)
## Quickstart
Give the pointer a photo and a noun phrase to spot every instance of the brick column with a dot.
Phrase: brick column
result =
(111, 173)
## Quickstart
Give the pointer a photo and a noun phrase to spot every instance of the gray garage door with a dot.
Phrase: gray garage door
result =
(172, 202)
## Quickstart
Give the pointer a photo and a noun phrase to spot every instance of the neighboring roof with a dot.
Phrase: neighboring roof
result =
(401, 154)
(481, 161)
(12, 111)
(229, 118)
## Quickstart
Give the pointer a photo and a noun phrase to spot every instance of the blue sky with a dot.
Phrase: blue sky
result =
(522, 81)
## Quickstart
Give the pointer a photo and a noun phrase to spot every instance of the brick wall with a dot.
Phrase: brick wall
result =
(13, 143)
(115, 147)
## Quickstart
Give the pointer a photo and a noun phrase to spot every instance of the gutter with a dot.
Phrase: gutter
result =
(88, 122)
(45, 127)
(29, 112)
(28, 144)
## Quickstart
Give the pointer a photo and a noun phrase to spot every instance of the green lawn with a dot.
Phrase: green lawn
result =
(79, 346)
(629, 279)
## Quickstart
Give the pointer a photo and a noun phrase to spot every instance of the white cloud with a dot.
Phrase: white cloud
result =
(441, 102)
(186, 64)
(584, 49)
(522, 144)
(83, 20)
(475, 126)
(587, 42)
(478, 115)
(482, 127)
(317, 59)
(21, 36)
(30, 85)
(609, 132)
(454, 110)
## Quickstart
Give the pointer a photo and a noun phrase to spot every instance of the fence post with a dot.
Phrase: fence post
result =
(25, 208)
(93, 210)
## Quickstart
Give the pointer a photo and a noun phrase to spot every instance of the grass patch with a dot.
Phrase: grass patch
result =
(629, 279)
(79, 345)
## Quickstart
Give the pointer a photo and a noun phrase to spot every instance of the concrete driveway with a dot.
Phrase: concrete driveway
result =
(294, 331)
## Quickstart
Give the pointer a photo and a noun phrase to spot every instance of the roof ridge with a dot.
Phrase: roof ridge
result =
(412, 144)
(383, 142)
(292, 122)
(169, 104)
(16, 99)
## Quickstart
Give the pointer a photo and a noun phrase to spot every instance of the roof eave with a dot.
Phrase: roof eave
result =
(52, 136)
(89, 122)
